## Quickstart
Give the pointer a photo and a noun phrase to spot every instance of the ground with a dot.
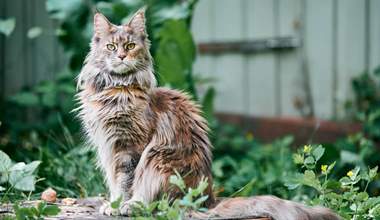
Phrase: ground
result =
(85, 209)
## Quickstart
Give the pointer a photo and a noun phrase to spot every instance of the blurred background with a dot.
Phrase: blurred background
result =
(286, 58)
(280, 72)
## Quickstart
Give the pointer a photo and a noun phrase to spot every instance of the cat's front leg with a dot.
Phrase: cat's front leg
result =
(147, 182)
(121, 181)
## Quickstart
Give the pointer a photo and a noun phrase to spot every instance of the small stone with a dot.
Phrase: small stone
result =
(69, 201)
(49, 195)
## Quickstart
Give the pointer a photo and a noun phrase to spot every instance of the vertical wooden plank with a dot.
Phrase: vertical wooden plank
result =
(28, 44)
(2, 51)
(14, 62)
(261, 67)
(318, 41)
(374, 34)
(228, 20)
(351, 45)
(45, 53)
(334, 53)
(203, 31)
(203, 24)
(229, 71)
(291, 83)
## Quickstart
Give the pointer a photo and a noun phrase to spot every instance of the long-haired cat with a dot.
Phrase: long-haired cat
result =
(143, 133)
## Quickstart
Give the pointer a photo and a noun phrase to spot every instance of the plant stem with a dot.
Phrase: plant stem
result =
(6, 193)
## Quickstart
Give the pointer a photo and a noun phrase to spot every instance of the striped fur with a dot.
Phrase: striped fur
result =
(142, 133)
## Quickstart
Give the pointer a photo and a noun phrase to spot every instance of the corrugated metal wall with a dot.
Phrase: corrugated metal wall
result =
(340, 39)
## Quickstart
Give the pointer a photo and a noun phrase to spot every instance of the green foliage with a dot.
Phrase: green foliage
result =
(175, 54)
(165, 209)
(16, 176)
(366, 103)
(73, 173)
(33, 213)
(346, 196)
(243, 166)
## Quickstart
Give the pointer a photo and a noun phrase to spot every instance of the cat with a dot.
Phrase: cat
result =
(143, 133)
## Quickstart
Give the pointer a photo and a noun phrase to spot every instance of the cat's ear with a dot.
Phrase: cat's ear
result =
(101, 25)
(137, 22)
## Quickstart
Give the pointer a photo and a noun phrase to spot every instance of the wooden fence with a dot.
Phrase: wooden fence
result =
(25, 61)
(338, 39)
(271, 56)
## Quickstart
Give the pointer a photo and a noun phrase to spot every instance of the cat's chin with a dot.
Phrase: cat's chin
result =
(121, 70)
(122, 73)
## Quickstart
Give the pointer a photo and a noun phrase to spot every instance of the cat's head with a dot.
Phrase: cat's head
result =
(122, 49)
(119, 55)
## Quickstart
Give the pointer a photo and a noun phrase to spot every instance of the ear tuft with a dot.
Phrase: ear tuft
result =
(101, 24)
(137, 22)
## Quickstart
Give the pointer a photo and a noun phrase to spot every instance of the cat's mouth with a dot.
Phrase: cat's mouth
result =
(122, 68)
(127, 72)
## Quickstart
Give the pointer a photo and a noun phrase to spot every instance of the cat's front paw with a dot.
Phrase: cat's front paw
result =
(126, 208)
(106, 209)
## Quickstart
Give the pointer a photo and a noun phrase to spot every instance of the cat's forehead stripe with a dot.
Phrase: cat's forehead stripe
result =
(121, 35)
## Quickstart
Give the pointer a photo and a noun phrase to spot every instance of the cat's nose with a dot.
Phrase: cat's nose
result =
(122, 56)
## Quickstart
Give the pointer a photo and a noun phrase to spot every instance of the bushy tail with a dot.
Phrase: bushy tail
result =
(265, 206)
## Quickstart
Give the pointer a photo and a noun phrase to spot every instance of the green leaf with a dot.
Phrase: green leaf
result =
(5, 162)
(373, 173)
(375, 211)
(349, 157)
(152, 206)
(21, 177)
(355, 173)
(245, 190)
(49, 99)
(34, 211)
(116, 204)
(163, 205)
(330, 167)
(41, 206)
(294, 182)
(318, 152)
(178, 181)
(208, 104)
(34, 32)
(2, 188)
(51, 210)
(345, 181)
(17, 166)
(25, 183)
(31, 167)
(332, 184)
(175, 53)
(298, 158)
(310, 179)
(201, 200)
(309, 160)
(25, 99)
(7, 26)
(362, 196)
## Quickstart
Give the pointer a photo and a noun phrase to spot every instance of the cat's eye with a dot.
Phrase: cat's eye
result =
(129, 46)
(111, 47)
